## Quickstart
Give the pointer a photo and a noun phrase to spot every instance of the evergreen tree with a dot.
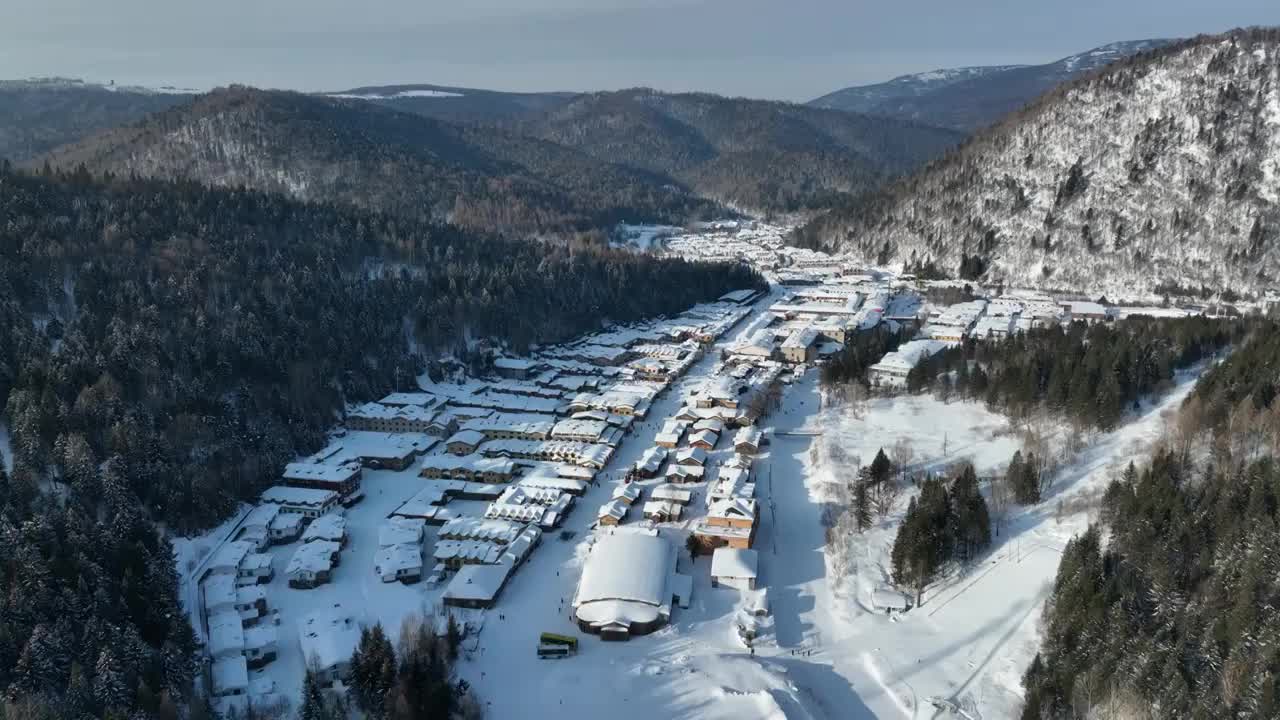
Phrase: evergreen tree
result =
(881, 467)
(972, 522)
(861, 505)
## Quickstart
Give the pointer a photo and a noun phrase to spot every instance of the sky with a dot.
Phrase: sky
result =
(781, 49)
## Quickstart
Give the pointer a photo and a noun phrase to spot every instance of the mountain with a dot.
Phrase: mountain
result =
(881, 97)
(457, 104)
(1161, 170)
(361, 153)
(37, 116)
(752, 154)
(974, 97)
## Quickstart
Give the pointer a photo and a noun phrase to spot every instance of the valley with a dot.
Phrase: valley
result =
(947, 396)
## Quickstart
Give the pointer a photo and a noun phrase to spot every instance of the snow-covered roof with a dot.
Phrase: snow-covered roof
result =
(318, 472)
(330, 527)
(230, 675)
(231, 554)
(732, 508)
(890, 599)
(616, 509)
(226, 633)
(466, 437)
(299, 497)
(749, 435)
(664, 508)
(400, 530)
(508, 363)
(312, 557)
(470, 528)
(627, 492)
(652, 459)
(671, 492)
(478, 582)
(393, 558)
(261, 516)
(260, 636)
(734, 563)
(693, 455)
(329, 635)
(632, 566)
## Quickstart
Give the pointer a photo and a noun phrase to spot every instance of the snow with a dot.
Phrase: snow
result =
(626, 565)
(734, 563)
(396, 95)
(6, 448)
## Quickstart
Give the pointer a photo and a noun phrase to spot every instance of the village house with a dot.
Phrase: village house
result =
(650, 463)
(226, 635)
(511, 426)
(588, 431)
(893, 368)
(747, 440)
(514, 368)
(376, 417)
(230, 676)
(400, 531)
(704, 439)
(477, 586)
(239, 560)
(256, 526)
(685, 473)
(728, 523)
(670, 435)
(312, 564)
(732, 482)
(332, 528)
(402, 562)
(222, 594)
(342, 479)
(627, 493)
(662, 510)
(468, 467)
(801, 346)
(261, 645)
(454, 554)
(692, 456)
(286, 527)
(612, 512)
(464, 442)
(734, 567)
(310, 503)
(329, 637)
(672, 493)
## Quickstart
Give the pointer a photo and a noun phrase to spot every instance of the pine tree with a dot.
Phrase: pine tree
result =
(881, 467)
(861, 505)
(109, 686)
(313, 705)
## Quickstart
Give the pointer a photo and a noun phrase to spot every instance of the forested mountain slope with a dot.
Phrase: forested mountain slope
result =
(971, 98)
(753, 154)
(166, 348)
(1172, 611)
(357, 152)
(1162, 169)
(37, 116)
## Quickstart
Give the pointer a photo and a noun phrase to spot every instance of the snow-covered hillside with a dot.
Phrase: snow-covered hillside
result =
(1165, 168)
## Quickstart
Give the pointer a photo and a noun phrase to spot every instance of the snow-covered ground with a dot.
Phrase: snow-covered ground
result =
(6, 448)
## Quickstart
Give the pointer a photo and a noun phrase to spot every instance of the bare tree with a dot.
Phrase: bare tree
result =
(902, 453)
(1001, 498)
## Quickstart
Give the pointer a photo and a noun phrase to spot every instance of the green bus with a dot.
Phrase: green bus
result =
(553, 645)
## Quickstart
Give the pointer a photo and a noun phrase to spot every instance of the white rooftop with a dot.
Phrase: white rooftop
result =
(734, 563)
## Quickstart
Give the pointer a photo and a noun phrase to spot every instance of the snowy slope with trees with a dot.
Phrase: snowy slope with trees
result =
(1162, 169)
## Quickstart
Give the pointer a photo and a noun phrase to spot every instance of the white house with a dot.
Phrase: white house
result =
(260, 644)
(401, 562)
(286, 527)
(312, 564)
(308, 502)
(230, 677)
(735, 568)
(401, 530)
(328, 637)
(332, 528)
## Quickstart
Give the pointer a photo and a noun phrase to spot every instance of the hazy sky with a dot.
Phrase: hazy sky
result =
(787, 49)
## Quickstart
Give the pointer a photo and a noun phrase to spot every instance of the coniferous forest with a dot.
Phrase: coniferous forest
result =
(1088, 374)
(166, 348)
(1170, 603)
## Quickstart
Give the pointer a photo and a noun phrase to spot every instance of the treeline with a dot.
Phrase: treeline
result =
(1177, 613)
(1090, 374)
(947, 522)
(166, 348)
(411, 680)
